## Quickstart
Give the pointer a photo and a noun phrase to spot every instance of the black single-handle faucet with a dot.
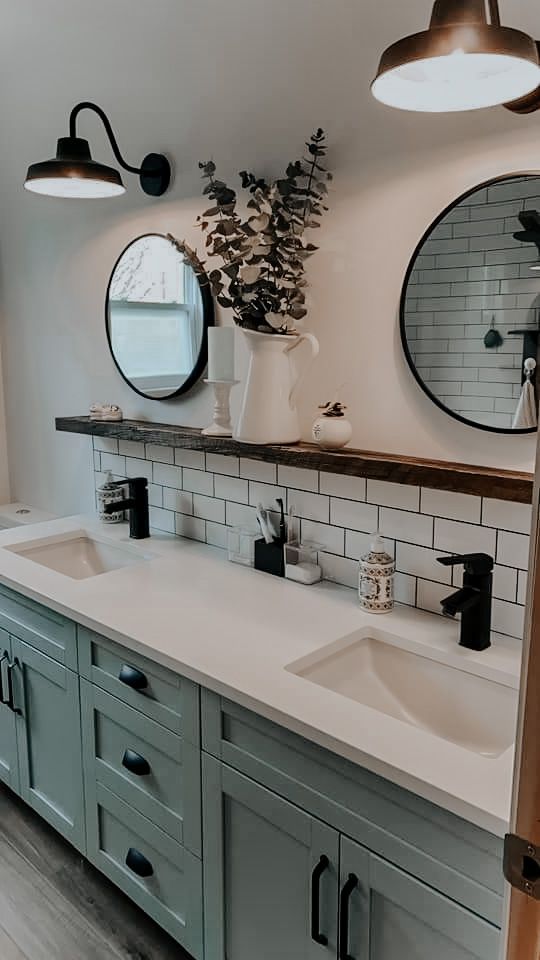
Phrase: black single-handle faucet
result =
(136, 504)
(473, 600)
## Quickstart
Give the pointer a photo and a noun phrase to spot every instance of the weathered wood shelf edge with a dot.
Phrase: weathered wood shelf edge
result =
(437, 474)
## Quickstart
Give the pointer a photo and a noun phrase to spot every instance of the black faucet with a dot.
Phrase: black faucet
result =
(473, 600)
(136, 504)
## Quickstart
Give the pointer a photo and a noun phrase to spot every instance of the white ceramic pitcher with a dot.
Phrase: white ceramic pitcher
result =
(269, 413)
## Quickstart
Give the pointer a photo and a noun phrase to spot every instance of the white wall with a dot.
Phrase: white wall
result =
(242, 81)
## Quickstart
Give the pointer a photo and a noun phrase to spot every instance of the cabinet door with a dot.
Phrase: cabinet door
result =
(264, 875)
(9, 768)
(385, 914)
(49, 740)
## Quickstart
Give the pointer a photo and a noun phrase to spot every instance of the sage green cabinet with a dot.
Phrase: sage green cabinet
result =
(385, 914)
(260, 854)
(9, 765)
(49, 740)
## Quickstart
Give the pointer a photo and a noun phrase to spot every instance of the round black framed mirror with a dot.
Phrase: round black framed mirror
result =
(157, 313)
(470, 306)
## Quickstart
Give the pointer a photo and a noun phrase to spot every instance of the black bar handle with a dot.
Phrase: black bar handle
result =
(132, 678)
(11, 668)
(136, 764)
(137, 863)
(318, 871)
(344, 901)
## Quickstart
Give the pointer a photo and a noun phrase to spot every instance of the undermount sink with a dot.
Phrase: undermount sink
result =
(455, 705)
(77, 555)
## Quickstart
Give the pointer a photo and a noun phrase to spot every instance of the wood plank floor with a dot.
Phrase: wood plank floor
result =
(56, 906)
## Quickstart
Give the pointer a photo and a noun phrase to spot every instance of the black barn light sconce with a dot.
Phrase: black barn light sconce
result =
(73, 172)
(464, 61)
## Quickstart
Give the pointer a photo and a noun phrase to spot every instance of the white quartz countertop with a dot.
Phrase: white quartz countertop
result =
(235, 630)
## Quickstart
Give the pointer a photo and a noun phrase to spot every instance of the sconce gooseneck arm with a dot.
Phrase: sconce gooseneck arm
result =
(87, 105)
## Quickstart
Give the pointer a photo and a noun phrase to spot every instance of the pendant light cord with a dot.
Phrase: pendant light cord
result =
(86, 105)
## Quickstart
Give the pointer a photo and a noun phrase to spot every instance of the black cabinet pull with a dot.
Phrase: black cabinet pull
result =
(138, 863)
(132, 678)
(135, 763)
(344, 901)
(318, 871)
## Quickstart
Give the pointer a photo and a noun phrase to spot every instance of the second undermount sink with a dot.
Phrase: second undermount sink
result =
(455, 705)
(78, 555)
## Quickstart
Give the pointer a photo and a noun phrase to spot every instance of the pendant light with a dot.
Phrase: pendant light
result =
(464, 61)
(73, 172)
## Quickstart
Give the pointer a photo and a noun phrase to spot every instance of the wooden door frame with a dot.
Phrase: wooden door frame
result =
(522, 933)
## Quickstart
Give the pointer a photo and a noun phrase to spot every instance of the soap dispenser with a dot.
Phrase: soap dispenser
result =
(110, 492)
(376, 578)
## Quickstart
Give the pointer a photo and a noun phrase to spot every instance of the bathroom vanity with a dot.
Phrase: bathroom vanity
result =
(217, 770)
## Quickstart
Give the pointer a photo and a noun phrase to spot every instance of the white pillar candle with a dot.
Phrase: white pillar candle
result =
(221, 353)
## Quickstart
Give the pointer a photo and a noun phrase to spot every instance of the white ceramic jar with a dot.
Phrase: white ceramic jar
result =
(332, 433)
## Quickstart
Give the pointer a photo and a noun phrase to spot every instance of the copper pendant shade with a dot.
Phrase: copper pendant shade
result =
(464, 61)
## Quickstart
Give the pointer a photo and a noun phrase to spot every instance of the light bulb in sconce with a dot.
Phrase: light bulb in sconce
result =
(462, 62)
(72, 173)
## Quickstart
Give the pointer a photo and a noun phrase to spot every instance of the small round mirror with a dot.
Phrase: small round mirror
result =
(470, 306)
(158, 311)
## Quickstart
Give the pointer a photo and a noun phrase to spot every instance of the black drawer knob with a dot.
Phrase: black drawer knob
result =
(132, 678)
(135, 763)
(138, 863)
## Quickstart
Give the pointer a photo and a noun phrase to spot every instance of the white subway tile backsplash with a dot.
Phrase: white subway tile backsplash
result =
(231, 488)
(155, 451)
(405, 589)
(354, 515)
(456, 537)
(208, 508)
(454, 506)
(267, 494)
(506, 515)
(507, 618)
(309, 506)
(111, 461)
(409, 527)
(193, 459)
(339, 569)
(513, 549)
(105, 444)
(138, 468)
(218, 463)
(398, 495)
(418, 525)
(179, 501)
(131, 448)
(216, 535)
(421, 562)
(190, 527)
(331, 539)
(168, 475)
(339, 485)
(198, 481)
(298, 478)
(162, 520)
(258, 470)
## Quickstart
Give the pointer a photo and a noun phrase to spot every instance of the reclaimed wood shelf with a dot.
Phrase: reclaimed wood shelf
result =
(437, 474)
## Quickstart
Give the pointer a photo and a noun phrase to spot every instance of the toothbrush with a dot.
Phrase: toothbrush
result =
(263, 523)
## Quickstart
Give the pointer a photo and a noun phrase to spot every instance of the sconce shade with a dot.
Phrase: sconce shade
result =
(462, 62)
(73, 173)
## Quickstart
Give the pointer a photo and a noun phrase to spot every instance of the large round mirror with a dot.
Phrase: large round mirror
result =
(470, 306)
(158, 311)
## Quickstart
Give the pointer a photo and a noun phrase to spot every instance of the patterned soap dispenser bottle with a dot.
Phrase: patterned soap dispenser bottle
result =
(376, 578)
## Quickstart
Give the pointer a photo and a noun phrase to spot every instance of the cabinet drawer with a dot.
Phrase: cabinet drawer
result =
(42, 628)
(145, 764)
(172, 893)
(157, 692)
(451, 855)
